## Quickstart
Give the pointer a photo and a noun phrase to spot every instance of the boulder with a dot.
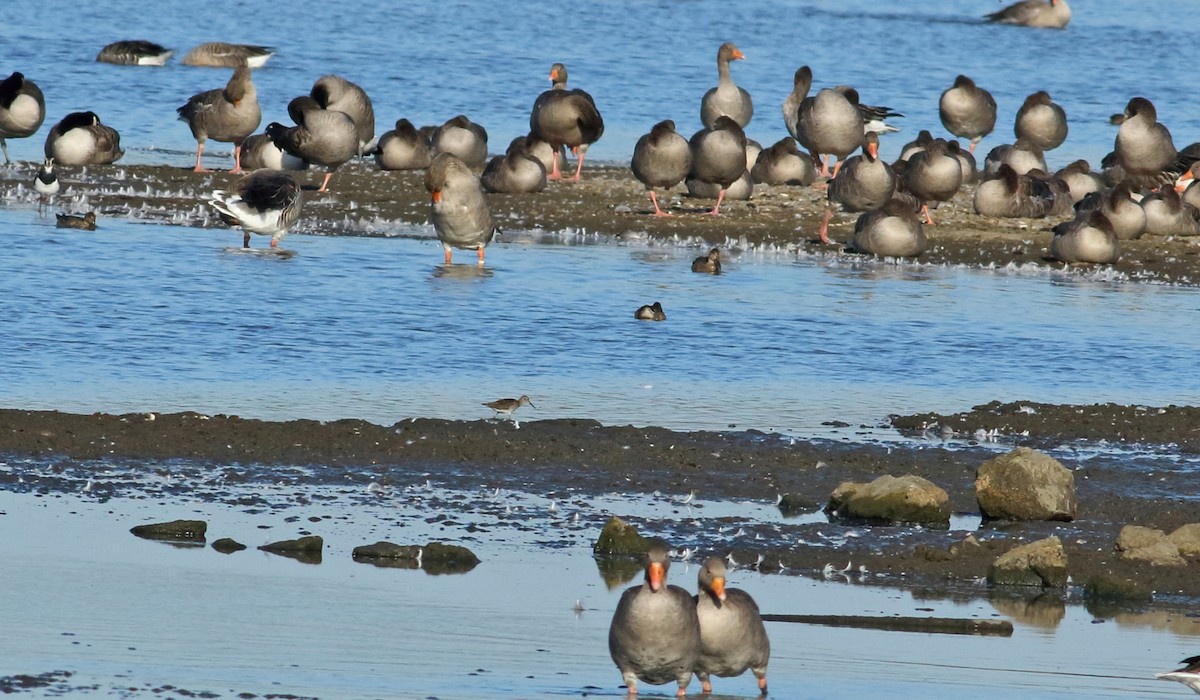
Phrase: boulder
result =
(1187, 538)
(435, 557)
(1025, 485)
(440, 558)
(312, 543)
(1042, 563)
(176, 530)
(892, 500)
(1103, 587)
(1144, 544)
(619, 538)
(792, 505)
(1137, 537)
(227, 545)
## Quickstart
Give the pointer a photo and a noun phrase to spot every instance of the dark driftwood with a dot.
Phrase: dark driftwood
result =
(938, 625)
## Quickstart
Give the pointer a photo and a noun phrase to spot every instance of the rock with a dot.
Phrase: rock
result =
(386, 550)
(435, 558)
(619, 538)
(792, 505)
(1042, 563)
(892, 500)
(226, 545)
(1025, 485)
(1137, 537)
(177, 530)
(1187, 538)
(1148, 545)
(312, 543)
(1103, 587)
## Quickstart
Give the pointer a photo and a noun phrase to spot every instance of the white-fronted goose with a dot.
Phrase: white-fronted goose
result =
(458, 209)
(1080, 179)
(732, 637)
(924, 138)
(1088, 239)
(719, 156)
(967, 111)
(829, 124)
(655, 632)
(80, 139)
(230, 114)
(563, 117)
(323, 137)
(661, 158)
(135, 53)
(894, 231)
(22, 109)
(515, 172)
(403, 148)
(726, 99)
(266, 202)
(217, 54)
(463, 138)
(783, 164)
(1168, 215)
(1045, 14)
(259, 151)
(336, 93)
(1041, 121)
(864, 183)
(708, 264)
(933, 175)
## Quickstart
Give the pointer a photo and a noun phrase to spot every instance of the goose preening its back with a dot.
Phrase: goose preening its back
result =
(137, 52)
(726, 99)
(229, 114)
(217, 54)
(515, 172)
(463, 138)
(22, 109)
(321, 136)
(336, 93)
(563, 117)
(265, 202)
(80, 139)
(459, 211)
(259, 151)
(403, 148)
(661, 158)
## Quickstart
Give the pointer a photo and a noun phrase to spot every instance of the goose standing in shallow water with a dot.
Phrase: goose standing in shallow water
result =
(655, 632)
(22, 109)
(515, 172)
(1045, 14)
(864, 183)
(463, 138)
(719, 156)
(563, 117)
(218, 54)
(967, 111)
(80, 139)
(266, 202)
(732, 637)
(661, 158)
(458, 209)
(336, 93)
(726, 99)
(135, 53)
(230, 114)
(403, 148)
(324, 137)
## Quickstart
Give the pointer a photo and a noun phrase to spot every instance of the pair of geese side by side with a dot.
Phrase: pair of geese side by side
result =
(139, 52)
(660, 633)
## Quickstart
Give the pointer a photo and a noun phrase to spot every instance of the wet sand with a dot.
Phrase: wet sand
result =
(608, 202)
(549, 457)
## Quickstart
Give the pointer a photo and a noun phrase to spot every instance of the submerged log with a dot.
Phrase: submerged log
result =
(936, 625)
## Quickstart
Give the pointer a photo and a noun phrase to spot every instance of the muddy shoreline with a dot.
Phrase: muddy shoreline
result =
(608, 203)
(561, 458)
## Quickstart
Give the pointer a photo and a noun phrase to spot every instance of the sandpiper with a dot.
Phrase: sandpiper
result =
(1189, 675)
(45, 183)
(507, 406)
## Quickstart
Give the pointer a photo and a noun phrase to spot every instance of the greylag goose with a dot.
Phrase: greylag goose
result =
(1189, 675)
(563, 117)
(933, 175)
(742, 188)
(1010, 194)
(864, 183)
(1041, 121)
(895, 231)
(324, 137)
(732, 637)
(649, 312)
(218, 54)
(967, 111)
(709, 264)
(783, 164)
(661, 158)
(515, 172)
(336, 93)
(230, 114)
(1118, 205)
(1144, 147)
(1087, 239)
(505, 407)
(726, 99)
(966, 160)
(829, 124)
(87, 222)
(464, 138)
(719, 156)
(543, 151)
(45, 183)
(655, 632)
(1168, 215)
(458, 209)
(801, 84)
(1187, 186)
(135, 53)
(1045, 14)
(265, 202)
(22, 109)
(1080, 179)
(403, 148)
(80, 139)
(259, 151)
(924, 138)
(1022, 156)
